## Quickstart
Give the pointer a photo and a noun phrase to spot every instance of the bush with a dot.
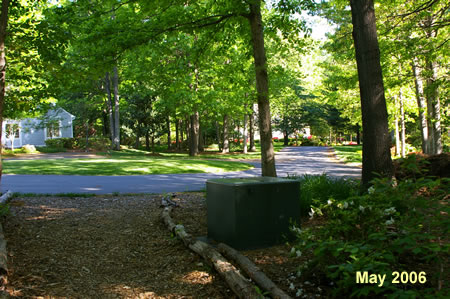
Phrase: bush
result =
(70, 143)
(47, 149)
(316, 190)
(28, 149)
(394, 227)
(54, 143)
(99, 144)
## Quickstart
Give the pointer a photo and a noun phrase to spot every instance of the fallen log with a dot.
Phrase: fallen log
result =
(4, 198)
(253, 271)
(3, 253)
(242, 287)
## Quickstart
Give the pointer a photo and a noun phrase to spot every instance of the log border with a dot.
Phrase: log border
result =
(241, 286)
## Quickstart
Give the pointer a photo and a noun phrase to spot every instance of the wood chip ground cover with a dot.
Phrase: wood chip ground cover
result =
(116, 247)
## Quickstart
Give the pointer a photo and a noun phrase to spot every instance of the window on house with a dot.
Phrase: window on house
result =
(53, 130)
(12, 129)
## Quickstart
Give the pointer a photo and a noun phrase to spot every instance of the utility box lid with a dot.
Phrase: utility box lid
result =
(253, 212)
(250, 181)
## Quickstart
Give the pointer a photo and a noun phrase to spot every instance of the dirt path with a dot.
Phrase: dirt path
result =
(101, 247)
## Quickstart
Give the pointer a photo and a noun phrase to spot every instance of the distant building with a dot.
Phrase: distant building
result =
(56, 123)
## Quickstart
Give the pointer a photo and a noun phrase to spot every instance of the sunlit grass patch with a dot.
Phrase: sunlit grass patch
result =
(117, 166)
(349, 153)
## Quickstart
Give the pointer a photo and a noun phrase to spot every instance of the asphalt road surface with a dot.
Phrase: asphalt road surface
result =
(289, 161)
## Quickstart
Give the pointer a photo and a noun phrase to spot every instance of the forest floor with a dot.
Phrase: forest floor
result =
(110, 246)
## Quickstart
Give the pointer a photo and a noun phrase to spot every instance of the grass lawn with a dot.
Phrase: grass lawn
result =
(215, 154)
(349, 153)
(120, 164)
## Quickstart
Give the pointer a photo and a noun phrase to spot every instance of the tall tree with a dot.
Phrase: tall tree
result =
(3, 25)
(377, 141)
(262, 88)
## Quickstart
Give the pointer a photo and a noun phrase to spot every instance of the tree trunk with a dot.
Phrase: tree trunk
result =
(194, 136)
(226, 145)
(105, 123)
(147, 140)
(153, 142)
(434, 110)
(238, 134)
(109, 103)
(3, 25)
(252, 131)
(252, 271)
(137, 143)
(358, 135)
(242, 287)
(286, 138)
(201, 138)
(421, 104)
(116, 110)
(244, 147)
(262, 88)
(169, 140)
(188, 129)
(177, 134)
(402, 124)
(219, 143)
(181, 133)
(397, 131)
(87, 136)
(377, 141)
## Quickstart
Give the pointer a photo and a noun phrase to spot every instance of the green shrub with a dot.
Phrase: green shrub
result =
(28, 149)
(55, 143)
(98, 144)
(391, 228)
(316, 190)
(47, 149)
(70, 143)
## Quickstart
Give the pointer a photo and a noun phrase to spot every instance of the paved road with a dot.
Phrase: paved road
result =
(290, 161)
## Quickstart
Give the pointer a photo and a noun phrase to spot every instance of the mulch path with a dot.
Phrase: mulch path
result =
(117, 247)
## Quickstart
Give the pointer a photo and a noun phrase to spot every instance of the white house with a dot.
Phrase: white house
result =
(56, 123)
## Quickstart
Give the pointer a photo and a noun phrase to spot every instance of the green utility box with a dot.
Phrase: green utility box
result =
(248, 213)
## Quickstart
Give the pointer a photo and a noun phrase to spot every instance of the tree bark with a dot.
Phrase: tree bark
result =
(116, 110)
(105, 122)
(194, 136)
(177, 134)
(402, 124)
(262, 88)
(421, 104)
(147, 140)
(358, 135)
(226, 145)
(252, 131)
(169, 140)
(286, 138)
(188, 129)
(397, 131)
(137, 143)
(201, 138)
(434, 110)
(244, 146)
(238, 283)
(377, 141)
(109, 103)
(181, 133)
(219, 142)
(252, 271)
(3, 25)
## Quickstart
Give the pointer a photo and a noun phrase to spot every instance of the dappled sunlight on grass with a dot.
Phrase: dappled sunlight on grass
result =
(349, 153)
(117, 166)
